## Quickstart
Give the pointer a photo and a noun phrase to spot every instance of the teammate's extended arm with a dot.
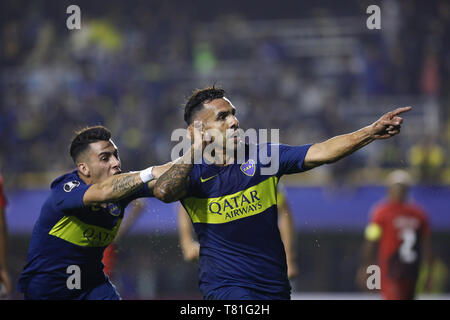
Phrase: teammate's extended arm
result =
(119, 186)
(341, 146)
(189, 247)
(4, 276)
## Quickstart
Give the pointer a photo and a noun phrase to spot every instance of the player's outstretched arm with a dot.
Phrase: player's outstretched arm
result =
(119, 186)
(341, 146)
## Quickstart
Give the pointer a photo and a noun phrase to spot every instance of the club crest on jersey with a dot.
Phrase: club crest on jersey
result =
(113, 209)
(70, 185)
(249, 168)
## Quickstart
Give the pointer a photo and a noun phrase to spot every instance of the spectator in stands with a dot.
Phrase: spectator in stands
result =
(427, 160)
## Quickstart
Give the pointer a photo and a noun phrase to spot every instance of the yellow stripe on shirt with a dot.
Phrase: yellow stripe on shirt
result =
(75, 231)
(242, 204)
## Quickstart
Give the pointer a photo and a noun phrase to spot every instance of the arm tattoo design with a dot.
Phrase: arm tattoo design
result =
(127, 183)
(173, 183)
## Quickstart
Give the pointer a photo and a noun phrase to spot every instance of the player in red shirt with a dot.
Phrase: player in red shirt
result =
(397, 240)
(5, 284)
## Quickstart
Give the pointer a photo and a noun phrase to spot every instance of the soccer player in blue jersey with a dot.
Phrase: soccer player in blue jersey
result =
(190, 248)
(232, 205)
(79, 219)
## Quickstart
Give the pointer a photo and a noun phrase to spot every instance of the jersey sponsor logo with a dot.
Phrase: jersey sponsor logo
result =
(245, 203)
(249, 168)
(75, 231)
(70, 185)
(241, 203)
(207, 179)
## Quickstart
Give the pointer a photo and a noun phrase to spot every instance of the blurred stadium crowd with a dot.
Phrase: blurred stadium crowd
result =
(312, 70)
(309, 68)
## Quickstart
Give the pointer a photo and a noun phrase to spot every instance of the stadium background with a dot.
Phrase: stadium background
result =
(311, 69)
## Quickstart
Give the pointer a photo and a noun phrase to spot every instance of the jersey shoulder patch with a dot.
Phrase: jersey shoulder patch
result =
(69, 186)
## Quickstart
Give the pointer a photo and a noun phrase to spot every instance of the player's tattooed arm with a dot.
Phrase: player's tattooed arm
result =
(114, 188)
(173, 184)
(341, 146)
(121, 185)
(157, 172)
(125, 184)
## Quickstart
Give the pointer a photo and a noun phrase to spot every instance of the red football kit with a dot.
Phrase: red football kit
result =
(403, 228)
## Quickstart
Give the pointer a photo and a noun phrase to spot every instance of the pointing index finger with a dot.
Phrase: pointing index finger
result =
(400, 110)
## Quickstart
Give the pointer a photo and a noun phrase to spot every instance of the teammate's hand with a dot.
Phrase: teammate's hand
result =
(389, 124)
(5, 283)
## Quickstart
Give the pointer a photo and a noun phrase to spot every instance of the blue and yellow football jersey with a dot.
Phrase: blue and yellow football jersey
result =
(70, 233)
(234, 212)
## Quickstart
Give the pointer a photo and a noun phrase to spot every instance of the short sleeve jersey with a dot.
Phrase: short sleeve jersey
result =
(69, 233)
(234, 212)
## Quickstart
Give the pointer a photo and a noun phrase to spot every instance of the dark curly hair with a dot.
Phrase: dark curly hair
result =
(198, 98)
(86, 136)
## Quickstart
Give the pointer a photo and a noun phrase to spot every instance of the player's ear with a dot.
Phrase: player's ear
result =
(83, 168)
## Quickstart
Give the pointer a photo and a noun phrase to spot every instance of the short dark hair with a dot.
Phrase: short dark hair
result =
(86, 136)
(198, 98)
